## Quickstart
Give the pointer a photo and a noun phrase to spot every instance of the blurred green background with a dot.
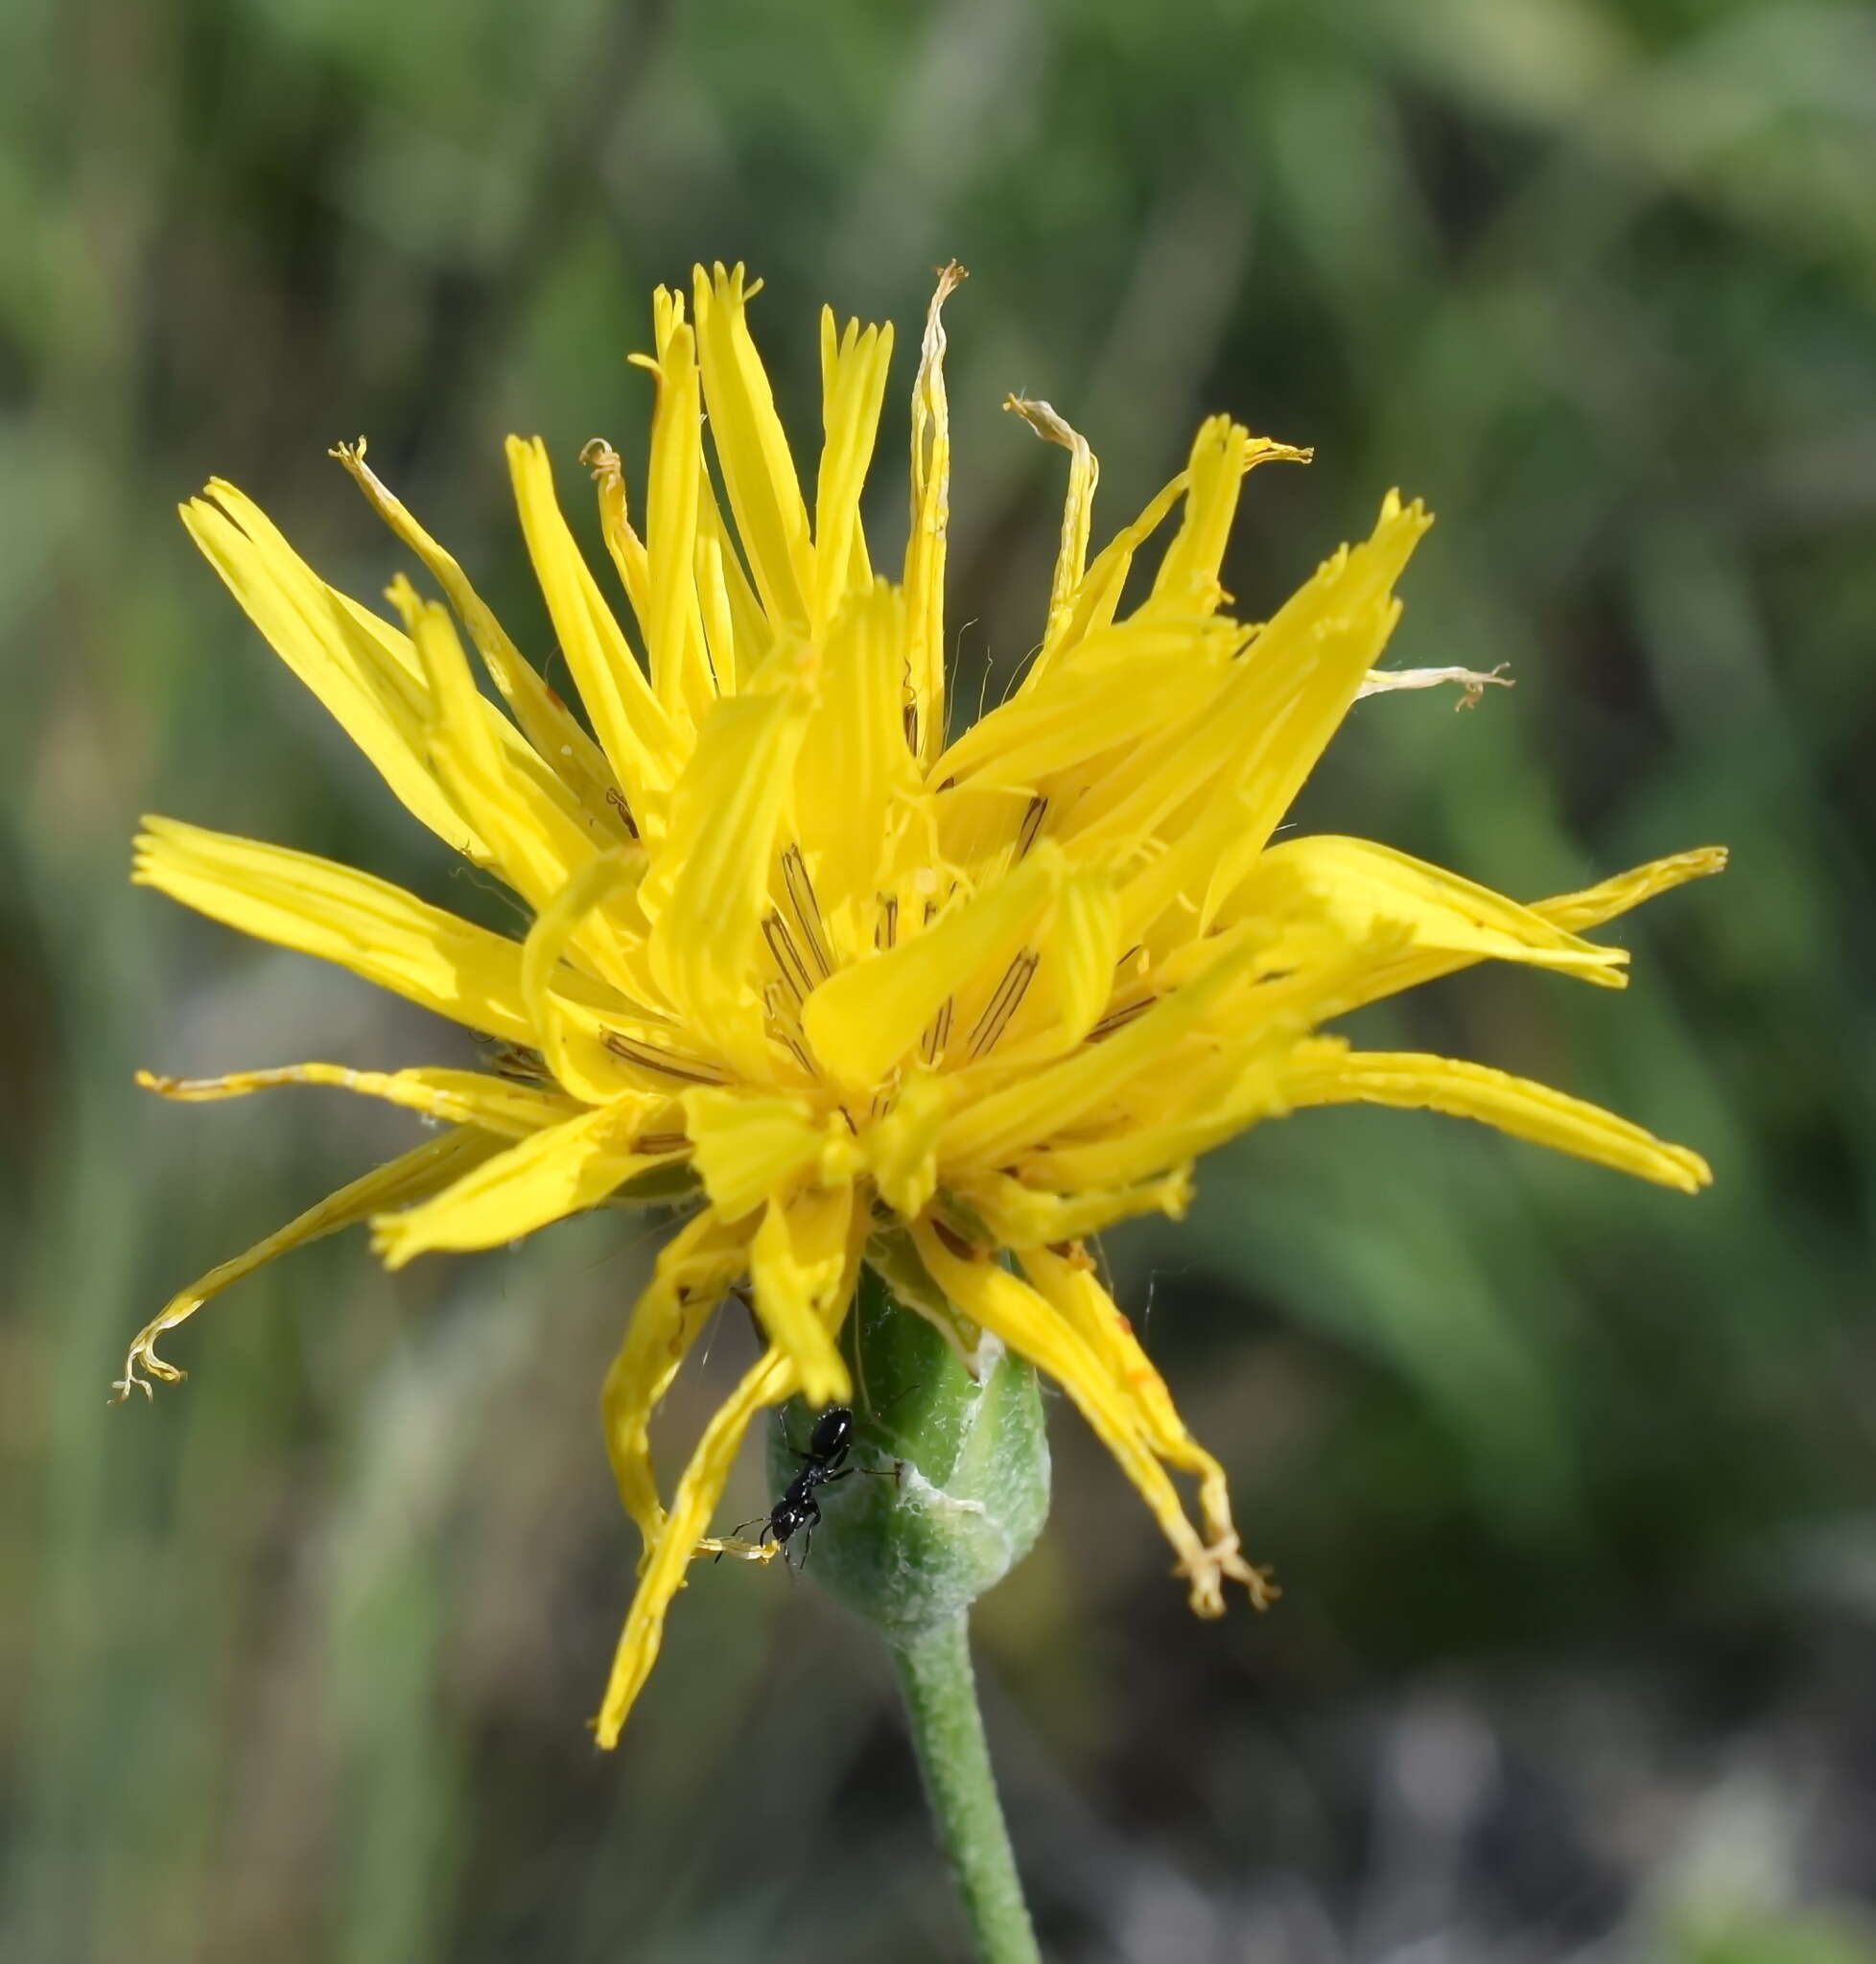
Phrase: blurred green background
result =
(1569, 1480)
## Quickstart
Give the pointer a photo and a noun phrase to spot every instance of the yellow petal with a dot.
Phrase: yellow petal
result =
(1359, 883)
(1272, 718)
(1103, 584)
(456, 1097)
(1075, 976)
(797, 1266)
(1216, 1070)
(752, 449)
(623, 545)
(677, 1541)
(1326, 1073)
(740, 633)
(1588, 908)
(987, 1132)
(1223, 453)
(1077, 515)
(538, 836)
(708, 888)
(901, 1145)
(320, 908)
(1023, 1216)
(633, 728)
(1092, 703)
(375, 699)
(1066, 1278)
(768, 1383)
(549, 725)
(1099, 591)
(694, 1270)
(553, 1174)
(749, 1145)
(1212, 1100)
(925, 544)
(852, 389)
(854, 764)
(864, 1019)
(982, 831)
(1298, 971)
(1099, 594)
(1595, 904)
(421, 1171)
(578, 1057)
(1180, 875)
(714, 612)
(1188, 580)
(1013, 1312)
(673, 631)
(736, 634)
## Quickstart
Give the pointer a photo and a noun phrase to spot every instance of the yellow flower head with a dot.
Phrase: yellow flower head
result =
(858, 991)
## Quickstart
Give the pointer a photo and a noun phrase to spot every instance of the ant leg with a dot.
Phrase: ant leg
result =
(781, 1542)
(737, 1532)
(866, 1399)
(897, 1399)
(812, 1522)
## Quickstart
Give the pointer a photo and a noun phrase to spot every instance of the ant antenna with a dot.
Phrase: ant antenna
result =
(876, 1414)
(865, 1398)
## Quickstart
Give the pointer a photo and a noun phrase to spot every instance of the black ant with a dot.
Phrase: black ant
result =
(797, 1511)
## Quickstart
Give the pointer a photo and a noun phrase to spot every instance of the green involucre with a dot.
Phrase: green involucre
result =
(951, 1486)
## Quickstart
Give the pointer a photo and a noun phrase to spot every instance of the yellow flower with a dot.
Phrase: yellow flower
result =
(857, 990)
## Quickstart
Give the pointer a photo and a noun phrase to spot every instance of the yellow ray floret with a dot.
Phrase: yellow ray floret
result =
(1329, 1073)
(843, 985)
(1021, 1319)
(552, 731)
(418, 951)
(694, 1270)
(1065, 1277)
(674, 1546)
(543, 1179)
(417, 1173)
(455, 1097)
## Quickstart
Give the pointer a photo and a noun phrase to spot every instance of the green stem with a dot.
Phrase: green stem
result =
(947, 1730)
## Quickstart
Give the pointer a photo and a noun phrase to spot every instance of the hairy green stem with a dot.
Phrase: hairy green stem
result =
(947, 1730)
